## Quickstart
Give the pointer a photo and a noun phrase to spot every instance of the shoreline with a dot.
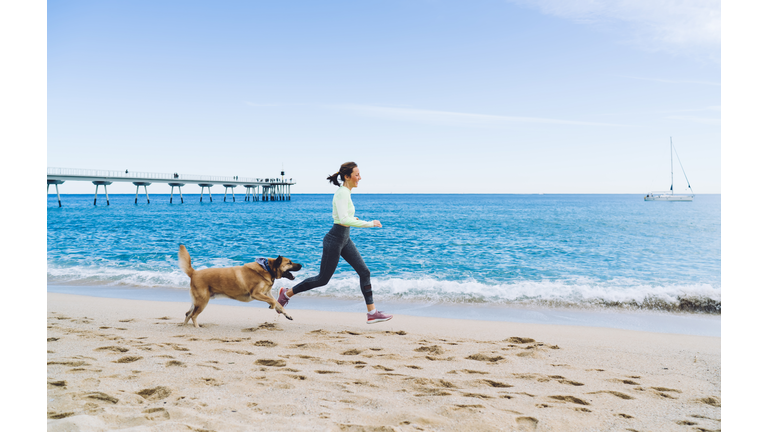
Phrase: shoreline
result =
(117, 364)
(640, 320)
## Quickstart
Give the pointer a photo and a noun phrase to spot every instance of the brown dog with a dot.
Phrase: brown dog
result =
(244, 283)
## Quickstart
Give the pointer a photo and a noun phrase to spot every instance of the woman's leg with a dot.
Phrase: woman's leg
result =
(353, 257)
(332, 247)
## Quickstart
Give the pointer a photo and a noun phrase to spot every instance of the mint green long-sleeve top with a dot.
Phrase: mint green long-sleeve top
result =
(344, 210)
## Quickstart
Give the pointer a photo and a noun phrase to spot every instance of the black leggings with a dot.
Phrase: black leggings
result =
(338, 244)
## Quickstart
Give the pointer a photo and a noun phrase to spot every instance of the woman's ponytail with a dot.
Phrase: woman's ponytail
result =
(344, 171)
(334, 179)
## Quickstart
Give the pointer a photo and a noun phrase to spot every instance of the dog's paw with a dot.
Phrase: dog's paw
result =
(288, 316)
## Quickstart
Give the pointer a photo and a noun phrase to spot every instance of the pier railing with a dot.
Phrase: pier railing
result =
(271, 189)
(154, 176)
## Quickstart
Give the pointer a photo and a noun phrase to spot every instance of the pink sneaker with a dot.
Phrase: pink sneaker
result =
(282, 298)
(379, 316)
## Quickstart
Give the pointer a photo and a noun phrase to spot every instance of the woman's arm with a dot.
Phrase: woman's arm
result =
(342, 203)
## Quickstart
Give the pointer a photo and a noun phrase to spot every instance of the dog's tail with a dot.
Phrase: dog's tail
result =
(185, 262)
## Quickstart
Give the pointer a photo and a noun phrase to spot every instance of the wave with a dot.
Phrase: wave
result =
(581, 292)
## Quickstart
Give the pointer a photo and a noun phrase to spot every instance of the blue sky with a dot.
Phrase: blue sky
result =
(427, 96)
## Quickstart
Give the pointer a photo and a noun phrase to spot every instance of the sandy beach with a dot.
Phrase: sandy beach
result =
(118, 364)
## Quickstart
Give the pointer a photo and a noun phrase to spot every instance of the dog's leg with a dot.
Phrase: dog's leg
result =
(273, 304)
(198, 304)
(189, 312)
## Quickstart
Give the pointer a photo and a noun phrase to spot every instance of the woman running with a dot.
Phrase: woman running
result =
(338, 244)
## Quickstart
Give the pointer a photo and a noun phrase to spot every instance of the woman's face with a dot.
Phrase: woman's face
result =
(354, 178)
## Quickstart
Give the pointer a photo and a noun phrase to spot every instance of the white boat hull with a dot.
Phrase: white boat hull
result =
(681, 198)
(669, 195)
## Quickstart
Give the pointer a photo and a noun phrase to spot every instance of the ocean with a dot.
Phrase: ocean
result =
(611, 257)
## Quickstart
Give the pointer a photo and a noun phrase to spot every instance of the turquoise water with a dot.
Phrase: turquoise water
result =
(588, 251)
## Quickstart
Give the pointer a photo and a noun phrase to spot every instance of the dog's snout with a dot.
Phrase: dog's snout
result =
(296, 267)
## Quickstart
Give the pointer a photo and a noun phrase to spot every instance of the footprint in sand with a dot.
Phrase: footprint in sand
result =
(494, 383)
(383, 368)
(485, 358)
(660, 392)
(615, 393)
(265, 343)
(229, 340)
(176, 347)
(56, 416)
(156, 414)
(470, 371)
(241, 352)
(563, 380)
(519, 340)
(664, 389)
(624, 381)
(710, 400)
(298, 377)
(270, 362)
(477, 395)
(112, 348)
(434, 349)
(469, 407)
(211, 382)
(155, 393)
(350, 333)
(62, 384)
(74, 363)
(128, 359)
(266, 326)
(175, 363)
(432, 358)
(101, 397)
(572, 399)
(527, 424)
(209, 366)
(352, 352)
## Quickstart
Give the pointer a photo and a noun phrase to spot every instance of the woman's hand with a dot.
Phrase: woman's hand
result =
(377, 224)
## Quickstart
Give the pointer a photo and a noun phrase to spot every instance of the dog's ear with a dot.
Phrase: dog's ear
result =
(278, 262)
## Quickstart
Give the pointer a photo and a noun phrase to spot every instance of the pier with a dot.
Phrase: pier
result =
(256, 189)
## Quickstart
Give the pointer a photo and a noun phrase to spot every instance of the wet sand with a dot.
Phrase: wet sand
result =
(118, 364)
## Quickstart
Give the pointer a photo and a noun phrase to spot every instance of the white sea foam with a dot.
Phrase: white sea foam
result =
(583, 292)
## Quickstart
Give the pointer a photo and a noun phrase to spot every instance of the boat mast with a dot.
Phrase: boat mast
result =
(671, 168)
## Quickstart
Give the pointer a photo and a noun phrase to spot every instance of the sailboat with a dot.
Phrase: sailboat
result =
(670, 195)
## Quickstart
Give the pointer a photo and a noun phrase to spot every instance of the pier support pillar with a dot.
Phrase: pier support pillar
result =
(179, 185)
(106, 193)
(203, 186)
(250, 192)
(56, 183)
(145, 184)
(227, 187)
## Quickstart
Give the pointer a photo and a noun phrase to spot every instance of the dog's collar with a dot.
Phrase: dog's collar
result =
(264, 263)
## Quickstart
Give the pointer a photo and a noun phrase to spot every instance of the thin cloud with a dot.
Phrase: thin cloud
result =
(695, 119)
(709, 108)
(454, 118)
(670, 81)
(678, 26)
(264, 104)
